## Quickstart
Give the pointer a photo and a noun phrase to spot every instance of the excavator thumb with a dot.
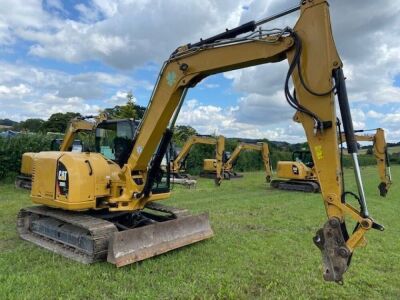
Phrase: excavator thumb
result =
(137, 244)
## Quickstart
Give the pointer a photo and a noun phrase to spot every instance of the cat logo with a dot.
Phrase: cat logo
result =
(295, 170)
(62, 175)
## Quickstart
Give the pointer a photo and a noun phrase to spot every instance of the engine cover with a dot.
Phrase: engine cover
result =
(71, 180)
(294, 170)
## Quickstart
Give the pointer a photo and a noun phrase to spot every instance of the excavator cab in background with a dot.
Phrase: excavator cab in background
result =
(92, 208)
(298, 174)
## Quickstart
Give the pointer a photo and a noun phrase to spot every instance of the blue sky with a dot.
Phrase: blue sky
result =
(83, 56)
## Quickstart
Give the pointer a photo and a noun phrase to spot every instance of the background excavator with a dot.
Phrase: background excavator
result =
(178, 165)
(299, 174)
(91, 207)
(379, 149)
(68, 143)
(230, 160)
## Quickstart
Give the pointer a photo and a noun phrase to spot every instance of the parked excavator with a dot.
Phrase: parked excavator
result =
(213, 167)
(178, 165)
(230, 160)
(68, 143)
(298, 174)
(92, 208)
(379, 149)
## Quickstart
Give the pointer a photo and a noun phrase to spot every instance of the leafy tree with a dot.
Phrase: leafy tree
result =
(32, 125)
(182, 133)
(129, 110)
(58, 122)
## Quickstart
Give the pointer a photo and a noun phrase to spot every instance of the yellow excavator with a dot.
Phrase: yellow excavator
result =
(91, 208)
(68, 143)
(231, 159)
(213, 167)
(379, 149)
(299, 174)
(178, 165)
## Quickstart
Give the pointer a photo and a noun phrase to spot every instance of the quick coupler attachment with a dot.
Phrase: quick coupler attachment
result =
(335, 254)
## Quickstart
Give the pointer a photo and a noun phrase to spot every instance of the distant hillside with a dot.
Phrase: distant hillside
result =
(7, 122)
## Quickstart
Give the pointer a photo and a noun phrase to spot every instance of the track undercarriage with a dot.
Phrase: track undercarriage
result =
(121, 238)
(307, 186)
(23, 182)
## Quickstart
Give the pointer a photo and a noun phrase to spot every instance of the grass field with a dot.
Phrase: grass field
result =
(262, 249)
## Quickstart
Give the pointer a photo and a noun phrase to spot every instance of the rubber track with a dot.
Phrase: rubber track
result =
(292, 185)
(23, 182)
(99, 230)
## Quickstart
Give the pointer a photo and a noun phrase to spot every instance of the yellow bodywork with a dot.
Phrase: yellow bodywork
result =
(27, 163)
(89, 180)
(210, 165)
(294, 170)
(75, 125)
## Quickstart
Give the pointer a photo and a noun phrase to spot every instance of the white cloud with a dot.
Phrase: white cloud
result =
(11, 92)
(27, 91)
(374, 114)
(210, 119)
(123, 34)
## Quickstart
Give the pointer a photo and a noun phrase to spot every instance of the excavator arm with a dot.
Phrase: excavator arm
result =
(262, 147)
(79, 124)
(193, 140)
(219, 142)
(381, 155)
(315, 71)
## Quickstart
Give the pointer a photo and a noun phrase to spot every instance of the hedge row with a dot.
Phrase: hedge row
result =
(11, 150)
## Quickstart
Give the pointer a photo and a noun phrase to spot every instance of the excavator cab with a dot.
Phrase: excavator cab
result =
(303, 156)
(113, 139)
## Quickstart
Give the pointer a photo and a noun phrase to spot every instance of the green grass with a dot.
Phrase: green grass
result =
(262, 249)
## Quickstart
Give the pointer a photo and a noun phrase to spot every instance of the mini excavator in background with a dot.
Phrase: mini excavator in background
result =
(379, 149)
(297, 175)
(76, 125)
(91, 208)
(230, 160)
(178, 165)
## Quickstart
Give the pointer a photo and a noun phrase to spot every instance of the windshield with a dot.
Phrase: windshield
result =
(114, 140)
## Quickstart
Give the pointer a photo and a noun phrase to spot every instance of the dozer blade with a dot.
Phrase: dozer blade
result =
(129, 246)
